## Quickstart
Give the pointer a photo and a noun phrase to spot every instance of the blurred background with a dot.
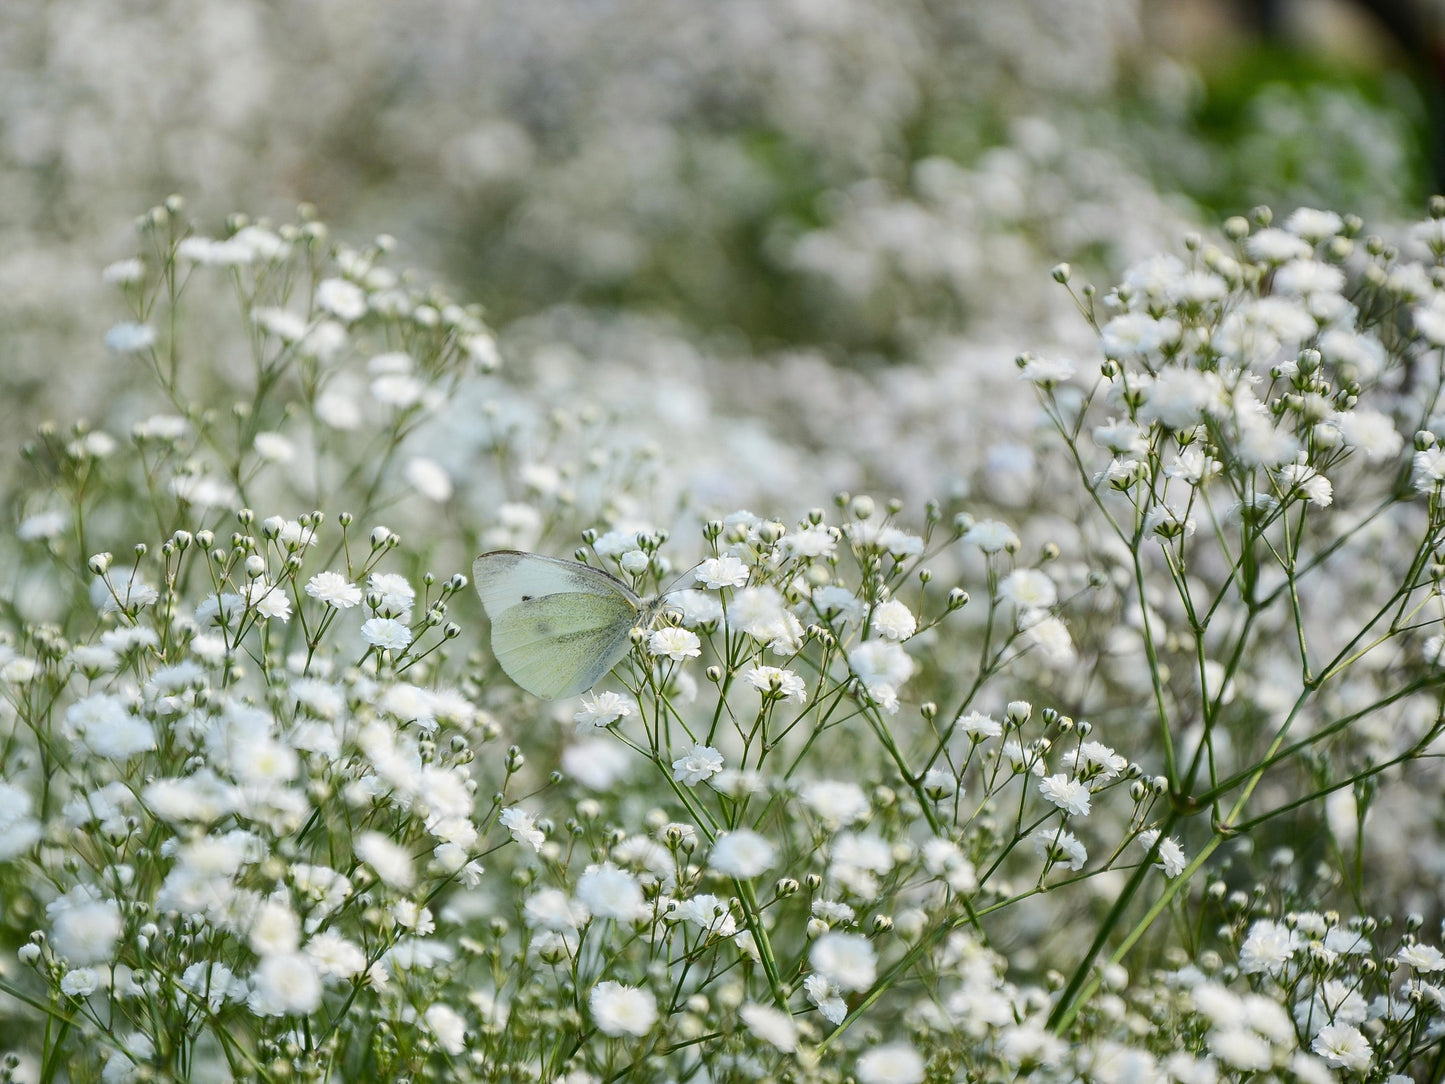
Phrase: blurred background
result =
(744, 207)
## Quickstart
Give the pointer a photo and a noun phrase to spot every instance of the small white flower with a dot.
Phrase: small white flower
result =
(979, 726)
(610, 892)
(82, 982)
(719, 572)
(429, 478)
(85, 928)
(391, 861)
(1422, 957)
(835, 802)
(130, 338)
(846, 960)
(342, 299)
(285, 985)
(396, 594)
(123, 272)
(42, 525)
(1344, 1047)
(891, 1063)
(523, 827)
(1067, 794)
(1028, 588)
(826, 997)
(1061, 847)
(742, 853)
(1267, 948)
(448, 1027)
(772, 1026)
(991, 536)
(700, 762)
(602, 710)
(1046, 372)
(894, 620)
(386, 633)
(334, 589)
(674, 643)
(773, 680)
(1171, 852)
(274, 448)
(622, 1010)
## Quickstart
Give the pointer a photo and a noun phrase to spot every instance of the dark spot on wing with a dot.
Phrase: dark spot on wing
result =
(526, 598)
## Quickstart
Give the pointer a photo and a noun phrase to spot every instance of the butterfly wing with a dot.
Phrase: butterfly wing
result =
(563, 644)
(505, 578)
(557, 626)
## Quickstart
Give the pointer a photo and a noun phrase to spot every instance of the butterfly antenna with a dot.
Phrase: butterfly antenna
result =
(672, 586)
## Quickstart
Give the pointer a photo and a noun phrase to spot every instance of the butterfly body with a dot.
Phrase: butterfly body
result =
(558, 627)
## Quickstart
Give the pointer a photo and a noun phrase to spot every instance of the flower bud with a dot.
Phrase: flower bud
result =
(99, 563)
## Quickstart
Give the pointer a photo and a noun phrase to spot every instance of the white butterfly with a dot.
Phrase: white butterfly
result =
(558, 627)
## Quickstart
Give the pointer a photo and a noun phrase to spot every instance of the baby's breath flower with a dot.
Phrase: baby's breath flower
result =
(392, 862)
(1046, 372)
(334, 589)
(1344, 1047)
(742, 853)
(1268, 947)
(85, 926)
(285, 984)
(269, 600)
(42, 525)
(674, 643)
(699, 763)
(395, 593)
(335, 956)
(708, 912)
(596, 763)
(827, 997)
(812, 541)
(123, 272)
(773, 680)
(1372, 432)
(1171, 852)
(448, 1027)
(772, 1026)
(894, 620)
(1053, 845)
(1314, 226)
(836, 802)
(343, 299)
(846, 960)
(386, 633)
(622, 1010)
(719, 572)
(1028, 588)
(602, 710)
(130, 338)
(274, 448)
(429, 478)
(275, 929)
(1428, 469)
(523, 827)
(1422, 957)
(553, 909)
(978, 726)
(610, 892)
(891, 1063)
(991, 536)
